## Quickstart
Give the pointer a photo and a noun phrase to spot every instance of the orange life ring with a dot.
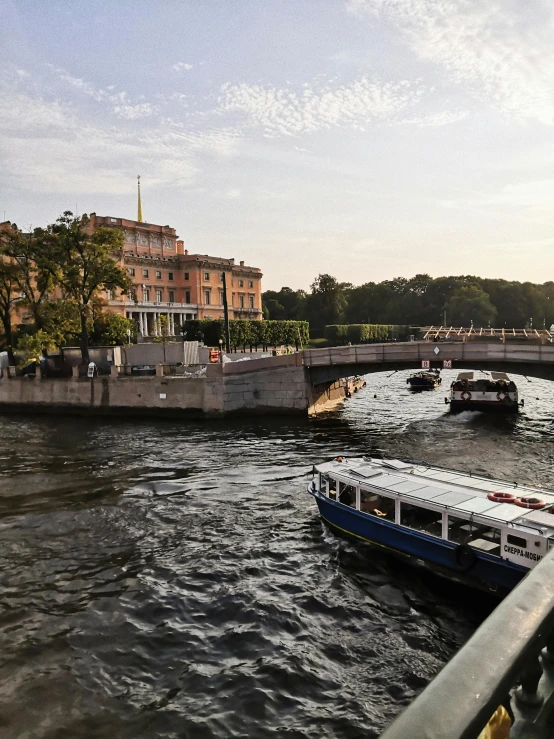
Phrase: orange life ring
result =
(467, 394)
(530, 502)
(502, 497)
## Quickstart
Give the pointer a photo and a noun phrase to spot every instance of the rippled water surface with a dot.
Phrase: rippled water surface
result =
(169, 579)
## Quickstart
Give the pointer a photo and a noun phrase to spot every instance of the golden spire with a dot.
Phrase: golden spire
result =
(139, 219)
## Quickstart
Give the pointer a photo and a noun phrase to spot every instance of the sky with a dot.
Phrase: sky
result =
(367, 139)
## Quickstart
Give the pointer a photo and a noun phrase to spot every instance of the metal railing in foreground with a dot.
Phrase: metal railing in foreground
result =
(510, 658)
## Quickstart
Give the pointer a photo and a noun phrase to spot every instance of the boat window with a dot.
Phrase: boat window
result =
(479, 536)
(517, 541)
(332, 488)
(377, 505)
(421, 519)
(323, 483)
(347, 494)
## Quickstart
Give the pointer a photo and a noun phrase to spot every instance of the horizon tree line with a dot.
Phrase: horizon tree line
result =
(461, 300)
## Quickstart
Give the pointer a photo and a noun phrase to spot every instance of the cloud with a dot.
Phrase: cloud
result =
(444, 118)
(233, 194)
(181, 67)
(281, 112)
(47, 146)
(121, 104)
(501, 53)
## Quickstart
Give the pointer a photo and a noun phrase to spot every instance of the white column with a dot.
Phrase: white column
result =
(155, 324)
(172, 323)
(141, 323)
(145, 323)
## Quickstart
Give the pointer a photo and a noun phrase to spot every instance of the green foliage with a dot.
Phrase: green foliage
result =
(81, 265)
(362, 333)
(110, 329)
(248, 333)
(30, 348)
(471, 305)
(419, 301)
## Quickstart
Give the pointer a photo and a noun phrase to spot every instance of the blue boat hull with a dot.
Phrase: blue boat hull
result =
(487, 571)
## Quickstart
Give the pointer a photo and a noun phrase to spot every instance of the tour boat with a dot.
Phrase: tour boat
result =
(483, 391)
(474, 529)
(424, 380)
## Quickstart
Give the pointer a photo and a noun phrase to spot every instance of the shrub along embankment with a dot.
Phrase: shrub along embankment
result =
(364, 333)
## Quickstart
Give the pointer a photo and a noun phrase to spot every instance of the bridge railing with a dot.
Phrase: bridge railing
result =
(508, 661)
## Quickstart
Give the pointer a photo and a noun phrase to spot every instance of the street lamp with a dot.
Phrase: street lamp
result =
(221, 350)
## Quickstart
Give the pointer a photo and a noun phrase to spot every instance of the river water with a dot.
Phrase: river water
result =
(170, 579)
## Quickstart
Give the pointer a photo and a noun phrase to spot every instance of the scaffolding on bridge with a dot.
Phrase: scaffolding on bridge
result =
(460, 333)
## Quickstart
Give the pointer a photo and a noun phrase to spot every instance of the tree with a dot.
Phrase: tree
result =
(469, 305)
(327, 302)
(34, 282)
(9, 295)
(81, 265)
(110, 329)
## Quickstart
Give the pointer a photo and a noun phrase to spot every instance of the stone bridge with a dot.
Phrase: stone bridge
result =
(299, 383)
(327, 365)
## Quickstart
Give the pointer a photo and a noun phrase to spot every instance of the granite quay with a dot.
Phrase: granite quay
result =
(299, 383)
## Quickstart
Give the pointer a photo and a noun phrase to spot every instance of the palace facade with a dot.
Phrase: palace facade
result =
(168, 281)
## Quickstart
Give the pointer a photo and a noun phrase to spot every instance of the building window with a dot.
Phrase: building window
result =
(113, 220)
(207, 276)
(172, 296)
(158, 274)
(221, 276)
(187, 276)
(241, 283)
(187, 296)
(159, 296)
(251, 301)
(206, 297)
(110, 294)
(131, 271)
(146, 295)
(145, 273)
(170, 276)
(241, 301)
(221, 297)
(250, 283)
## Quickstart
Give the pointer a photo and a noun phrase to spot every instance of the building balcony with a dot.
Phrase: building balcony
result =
(153, 305)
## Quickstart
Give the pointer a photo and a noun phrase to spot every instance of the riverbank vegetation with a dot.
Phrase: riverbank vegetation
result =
(52, 284)
(419, 301)
(250, 334)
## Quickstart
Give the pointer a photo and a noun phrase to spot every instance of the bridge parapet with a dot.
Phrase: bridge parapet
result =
(415, 350)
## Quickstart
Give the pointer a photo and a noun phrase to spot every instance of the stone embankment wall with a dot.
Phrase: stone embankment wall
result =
(276, 385)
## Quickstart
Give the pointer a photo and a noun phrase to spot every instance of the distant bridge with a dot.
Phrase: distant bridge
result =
(525, 358)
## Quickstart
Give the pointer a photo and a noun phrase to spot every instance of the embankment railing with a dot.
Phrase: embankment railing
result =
(509, 660)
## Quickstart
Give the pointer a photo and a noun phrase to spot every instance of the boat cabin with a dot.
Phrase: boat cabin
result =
(452, 506)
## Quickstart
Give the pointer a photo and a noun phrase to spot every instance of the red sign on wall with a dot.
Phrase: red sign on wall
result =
(425, 364)
(447, 364)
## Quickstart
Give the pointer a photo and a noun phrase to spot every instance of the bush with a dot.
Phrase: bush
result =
(363, 333)
(248, 333)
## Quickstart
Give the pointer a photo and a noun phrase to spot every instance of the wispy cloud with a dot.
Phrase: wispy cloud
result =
(499, 52)
(48, 146)
(282, 112)
(120, 103)
(181, 67)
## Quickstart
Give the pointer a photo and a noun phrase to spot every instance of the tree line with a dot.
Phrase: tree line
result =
(54, 279)
(419, 301)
